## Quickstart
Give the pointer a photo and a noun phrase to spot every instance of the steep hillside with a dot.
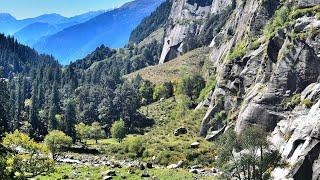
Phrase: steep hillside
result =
(111, 28)
(190, 63)
(266, 56)
(17, 58)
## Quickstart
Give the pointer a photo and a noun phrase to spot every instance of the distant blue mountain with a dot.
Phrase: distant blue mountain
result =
(10, 25)
(112, 28)
(30, 30)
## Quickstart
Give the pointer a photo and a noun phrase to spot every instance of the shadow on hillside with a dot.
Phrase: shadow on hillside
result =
(140, 124)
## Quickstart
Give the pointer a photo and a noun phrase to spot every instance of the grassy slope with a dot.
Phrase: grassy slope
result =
(189, 63)
(160, 142)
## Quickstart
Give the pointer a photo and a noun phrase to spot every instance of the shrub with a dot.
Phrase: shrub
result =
(136, 146)
(27, 158)
(118, 130)
(279, 21)
(238, 51)
(311, 11)
(83, 131)
(55, 141)
(205, 91)
(307, 102)
(295, 100)
(190, 86)
(162, 91)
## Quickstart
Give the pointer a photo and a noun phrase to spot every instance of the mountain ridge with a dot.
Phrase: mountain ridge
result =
(97, 31)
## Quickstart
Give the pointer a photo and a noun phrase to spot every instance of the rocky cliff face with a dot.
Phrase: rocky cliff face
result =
(259, 74)
(185, 20)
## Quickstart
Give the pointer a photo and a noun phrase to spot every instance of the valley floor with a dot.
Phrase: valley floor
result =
(158, 146)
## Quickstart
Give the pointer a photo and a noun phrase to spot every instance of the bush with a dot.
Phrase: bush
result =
(118, 130)
(83, 131)
(55, 141)
(307, 102)
(26, 158)
(205, 91)
(239, 50)
(162, 91)
(249, 163)
(136, 146)
(295, 100)
(279, 21)
(190, 86)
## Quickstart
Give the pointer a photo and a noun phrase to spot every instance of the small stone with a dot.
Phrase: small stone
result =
(107, 178)
(214, 170)
(110, 173)
(116, 165)
(175, 166)
(195, 145)
(196, 167)
(141, 166)
(149, 165)
(65, 177)
(145, 175)
(194, 171)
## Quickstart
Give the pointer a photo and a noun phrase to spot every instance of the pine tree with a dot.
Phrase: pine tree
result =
(18, 104)
(70, 119)
(33, 119)
(54, 108)
(4, 105)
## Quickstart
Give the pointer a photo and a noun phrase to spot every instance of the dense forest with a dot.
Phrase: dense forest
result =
(40, 93)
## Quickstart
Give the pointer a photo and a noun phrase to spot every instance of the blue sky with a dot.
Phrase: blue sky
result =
(31, 8)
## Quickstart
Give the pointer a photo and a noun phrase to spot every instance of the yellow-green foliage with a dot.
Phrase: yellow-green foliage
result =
(55, 140)
(239, 50)
(136, 146)
(118, 130)
(307, 102)
(27, 158)
(279, 21)
(205, 91)
(312, 11)
(295, 99)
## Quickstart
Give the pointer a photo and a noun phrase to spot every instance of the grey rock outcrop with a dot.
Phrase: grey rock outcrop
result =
(297, 137)
(187, 19)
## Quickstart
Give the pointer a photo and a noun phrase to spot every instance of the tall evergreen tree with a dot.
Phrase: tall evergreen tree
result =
(54, 107)
(4, 105)
(70, 119)
(18, 104)
(33, 119)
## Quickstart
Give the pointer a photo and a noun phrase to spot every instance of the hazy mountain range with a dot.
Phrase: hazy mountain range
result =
(72, 38)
